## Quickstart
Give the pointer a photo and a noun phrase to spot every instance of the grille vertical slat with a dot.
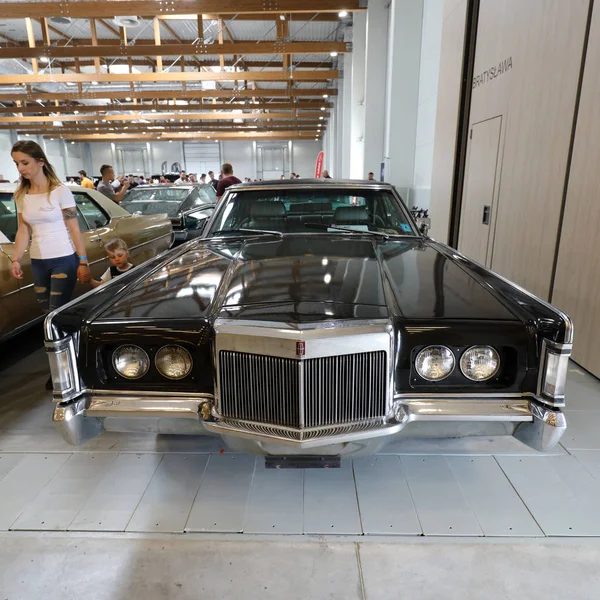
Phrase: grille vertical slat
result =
(336, 389)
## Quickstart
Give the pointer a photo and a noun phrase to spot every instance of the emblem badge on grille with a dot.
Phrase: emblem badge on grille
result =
(300, 348)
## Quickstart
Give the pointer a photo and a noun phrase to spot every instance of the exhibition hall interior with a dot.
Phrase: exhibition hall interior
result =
(299, 299)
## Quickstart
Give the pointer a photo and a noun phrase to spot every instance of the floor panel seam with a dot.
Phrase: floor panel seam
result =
(361, 578)
(520, 497)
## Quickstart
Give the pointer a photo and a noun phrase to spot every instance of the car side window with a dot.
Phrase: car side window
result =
(8, 218)
(208, 195)
(92, 213)
(191, 201)
(83, 225)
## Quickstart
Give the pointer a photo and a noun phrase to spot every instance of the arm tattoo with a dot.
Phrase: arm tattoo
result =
(69, 213)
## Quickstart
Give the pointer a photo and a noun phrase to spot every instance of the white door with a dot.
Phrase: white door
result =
(478, 207)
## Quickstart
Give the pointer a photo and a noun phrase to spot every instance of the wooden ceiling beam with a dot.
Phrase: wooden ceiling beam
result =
(13, 79)
(69, 108)
(206, 64)
(169, 94)
(151, 8)
(146, 48)
(202, 116)
(297, 17)
(198, 136)
(101, 128)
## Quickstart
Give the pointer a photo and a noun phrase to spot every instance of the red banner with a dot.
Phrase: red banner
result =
(319, 165)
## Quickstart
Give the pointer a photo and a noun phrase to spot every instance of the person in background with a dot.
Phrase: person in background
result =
(228, 179)
(118, 254)
(142, 180)
(325, 174)
(292, 175)
(71, 181)
(371, 176)
(213, 181)
(282, 177)
(86, 182)
(106, 187)
(192, 178)
(182, 179)
(132, 182)
(47, 216)
(203, 178)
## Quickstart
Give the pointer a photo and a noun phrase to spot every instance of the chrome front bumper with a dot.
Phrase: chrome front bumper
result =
(530, 421)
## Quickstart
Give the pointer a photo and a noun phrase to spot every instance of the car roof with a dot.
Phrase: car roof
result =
(315, 183)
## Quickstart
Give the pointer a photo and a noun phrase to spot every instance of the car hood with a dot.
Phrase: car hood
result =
(310, 277)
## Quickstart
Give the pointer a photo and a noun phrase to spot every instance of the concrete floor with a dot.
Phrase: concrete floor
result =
(110, 565)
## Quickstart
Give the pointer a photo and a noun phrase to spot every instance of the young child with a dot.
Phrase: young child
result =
(118, 254)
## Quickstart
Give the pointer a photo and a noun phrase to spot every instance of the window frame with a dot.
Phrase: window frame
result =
(100, 208)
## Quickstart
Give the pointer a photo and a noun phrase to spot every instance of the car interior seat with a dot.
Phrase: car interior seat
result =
(267, 215)
(350, 215)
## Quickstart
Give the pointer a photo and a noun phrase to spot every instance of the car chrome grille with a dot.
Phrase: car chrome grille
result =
(303, 394)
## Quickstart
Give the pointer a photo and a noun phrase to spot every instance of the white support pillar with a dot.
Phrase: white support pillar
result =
(345, 130)
(357, 105)
(402, 93)
(375, 84)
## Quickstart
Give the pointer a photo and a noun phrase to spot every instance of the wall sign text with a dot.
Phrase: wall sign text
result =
(493, 72)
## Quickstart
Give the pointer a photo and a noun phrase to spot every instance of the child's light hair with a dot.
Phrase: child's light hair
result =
(116, 244)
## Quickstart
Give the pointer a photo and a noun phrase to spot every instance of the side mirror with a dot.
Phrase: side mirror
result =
(424, 225)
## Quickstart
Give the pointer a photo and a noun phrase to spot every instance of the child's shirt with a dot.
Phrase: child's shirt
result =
(113, 272)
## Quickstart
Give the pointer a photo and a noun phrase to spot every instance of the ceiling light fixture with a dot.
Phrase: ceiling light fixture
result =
(333, 54)
(44, 59)
(321, 118)
(127, 99)
(94, 83)
(282, 17)
(343, 14)
(325, 95)
(75, 112)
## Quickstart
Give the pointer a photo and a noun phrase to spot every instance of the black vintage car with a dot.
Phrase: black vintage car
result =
(188, 206)
(312, 318)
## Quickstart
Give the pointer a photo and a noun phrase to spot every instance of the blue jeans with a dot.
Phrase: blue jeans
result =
(54, 280)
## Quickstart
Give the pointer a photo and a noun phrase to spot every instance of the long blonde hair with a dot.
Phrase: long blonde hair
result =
(34, 150)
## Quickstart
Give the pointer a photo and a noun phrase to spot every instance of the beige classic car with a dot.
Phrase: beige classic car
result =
(100, 219)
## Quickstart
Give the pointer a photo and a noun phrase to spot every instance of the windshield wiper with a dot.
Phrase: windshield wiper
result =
(349, 230)
(243, 230)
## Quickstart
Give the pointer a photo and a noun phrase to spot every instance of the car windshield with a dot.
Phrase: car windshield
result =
(330, 210)
(153, 201)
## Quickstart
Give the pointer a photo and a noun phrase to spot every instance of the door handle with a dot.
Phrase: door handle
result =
(486, 214)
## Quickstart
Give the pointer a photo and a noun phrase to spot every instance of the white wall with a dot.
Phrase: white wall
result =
(305, 157)
(74, 158)
(241, 156)
(7, 166)
(431, 45)
(101, 155)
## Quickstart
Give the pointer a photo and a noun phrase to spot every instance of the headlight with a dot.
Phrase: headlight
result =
(173, 362)
(131, 362)
(480, 363)
(435, 363)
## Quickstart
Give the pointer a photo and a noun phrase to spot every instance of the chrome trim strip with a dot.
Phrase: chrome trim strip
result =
(146, 394)
(151, 241)
(143, 407)
(474, 396)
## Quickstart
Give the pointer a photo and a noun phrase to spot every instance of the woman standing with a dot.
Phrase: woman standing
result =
(48, 216)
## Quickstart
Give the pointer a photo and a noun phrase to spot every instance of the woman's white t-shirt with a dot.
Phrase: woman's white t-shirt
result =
(49, 234)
